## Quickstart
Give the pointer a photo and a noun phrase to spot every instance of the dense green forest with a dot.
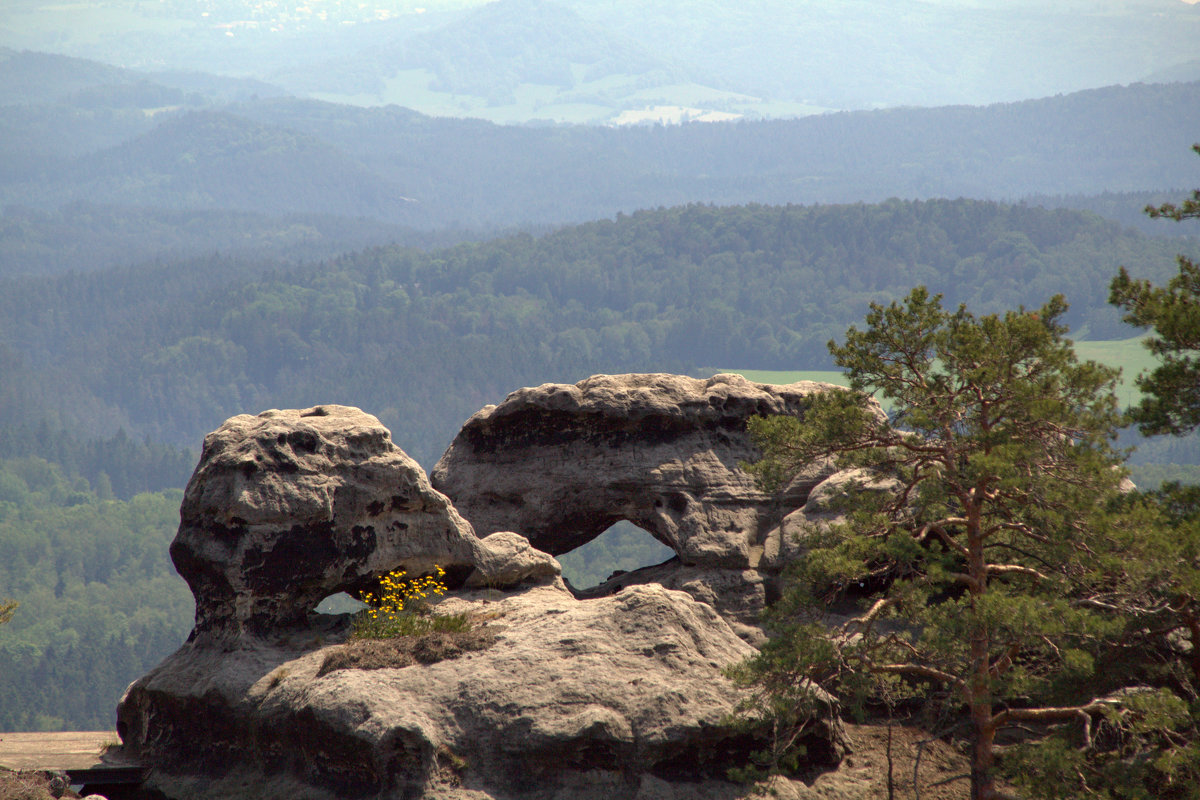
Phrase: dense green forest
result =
(117, 467)
(1127, 208)
(111, 377)
(99, 600)
(85, 237)
(425, 338)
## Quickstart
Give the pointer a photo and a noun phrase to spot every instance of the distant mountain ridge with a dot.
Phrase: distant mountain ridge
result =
(512, 59)
(39, 78)
(287, 155)
(216, 159)
(510, 42)
(588, 61)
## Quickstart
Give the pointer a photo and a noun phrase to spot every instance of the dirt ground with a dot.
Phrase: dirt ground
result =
(33, 785)
(864, 772)
(942, 773)
(54, 750)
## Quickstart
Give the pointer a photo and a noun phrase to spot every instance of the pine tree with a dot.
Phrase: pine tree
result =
(970, 528)
(1171, 402)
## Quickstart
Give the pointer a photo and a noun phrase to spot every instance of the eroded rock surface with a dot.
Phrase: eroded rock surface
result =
(289, 507)
(560, 463)
(617, 696)
(606, 698)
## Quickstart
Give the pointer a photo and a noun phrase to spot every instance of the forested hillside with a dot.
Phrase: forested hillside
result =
(84, 237)
(99, 600)
(1127, 208)
(423, 339)
(111, 377)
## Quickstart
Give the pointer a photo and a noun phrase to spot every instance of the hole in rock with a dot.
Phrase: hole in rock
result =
(624, 546)
(340, 603)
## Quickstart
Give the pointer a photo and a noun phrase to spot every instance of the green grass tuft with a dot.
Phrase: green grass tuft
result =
(409, 623)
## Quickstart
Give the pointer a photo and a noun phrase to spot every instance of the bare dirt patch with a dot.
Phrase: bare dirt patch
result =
(883, 765)
(33, 785)
(404, 651)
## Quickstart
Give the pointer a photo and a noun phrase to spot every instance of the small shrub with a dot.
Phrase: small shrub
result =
(7, 609)
(400, 608)
(277, 677)
(450, 765)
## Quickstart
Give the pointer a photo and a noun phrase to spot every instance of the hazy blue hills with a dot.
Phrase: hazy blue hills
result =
(588, 61)
(215, 159)
(864, 53)
(27, 77)
(38, 78)
(1179, 73)
(286, 155)
(574, 60)
(500, 46)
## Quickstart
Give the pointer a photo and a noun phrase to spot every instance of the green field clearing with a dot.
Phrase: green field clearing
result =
(1128, 354)
(780, 377)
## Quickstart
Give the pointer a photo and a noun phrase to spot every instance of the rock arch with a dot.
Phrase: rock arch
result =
(560, 463)
(623, 694)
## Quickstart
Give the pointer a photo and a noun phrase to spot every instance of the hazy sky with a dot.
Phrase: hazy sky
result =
(605, 60)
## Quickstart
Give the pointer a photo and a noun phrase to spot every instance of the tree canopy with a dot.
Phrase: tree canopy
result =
(1172, 390)
(971, 530)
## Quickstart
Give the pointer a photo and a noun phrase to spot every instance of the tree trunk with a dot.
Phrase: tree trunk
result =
(979, 701)
(983, 785)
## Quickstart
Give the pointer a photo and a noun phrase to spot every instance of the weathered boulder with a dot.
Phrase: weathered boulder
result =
(289, 507)
(560, 463)
(621, 696)
(507, 559)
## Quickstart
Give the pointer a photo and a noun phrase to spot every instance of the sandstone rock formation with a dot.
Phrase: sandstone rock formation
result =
(289, 507)
(561, 463)
(618, 696)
